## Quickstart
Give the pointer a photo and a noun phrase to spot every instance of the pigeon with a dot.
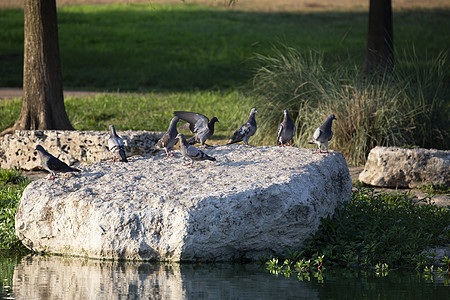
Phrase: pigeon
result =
(191, 152)
(116, 145)
(286, 130)
(52, 164)
(199, 124)
(323, 134)
(169, 139)
(246, 131)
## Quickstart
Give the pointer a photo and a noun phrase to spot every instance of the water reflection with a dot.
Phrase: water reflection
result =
(53, 277)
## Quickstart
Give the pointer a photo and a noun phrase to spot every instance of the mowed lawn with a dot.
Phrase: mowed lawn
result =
(179, 47)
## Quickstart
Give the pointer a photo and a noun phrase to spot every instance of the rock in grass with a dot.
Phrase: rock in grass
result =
(17, 150)
(399, 167)
(250, 202)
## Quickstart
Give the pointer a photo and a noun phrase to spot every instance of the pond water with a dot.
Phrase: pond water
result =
(56, 277)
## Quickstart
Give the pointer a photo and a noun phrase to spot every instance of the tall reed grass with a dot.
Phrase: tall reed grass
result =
(409, 107)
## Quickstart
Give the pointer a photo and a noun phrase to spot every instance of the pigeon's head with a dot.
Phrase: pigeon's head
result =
(332, 117)
(286, 113)
(253, 111)
(112, 129)
(39, 148)
(214, 120)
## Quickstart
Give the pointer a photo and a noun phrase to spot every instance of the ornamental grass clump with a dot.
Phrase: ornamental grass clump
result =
(399, 109)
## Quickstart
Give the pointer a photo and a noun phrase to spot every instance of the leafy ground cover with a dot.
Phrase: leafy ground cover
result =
(376, 230)
(12, 184)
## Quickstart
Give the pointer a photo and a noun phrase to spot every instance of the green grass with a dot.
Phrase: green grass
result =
(185, 47)
(12, 184)
(146, 111)
(377, 228)
(154, 111)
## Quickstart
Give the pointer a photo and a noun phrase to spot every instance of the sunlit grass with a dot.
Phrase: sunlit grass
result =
(183, 47)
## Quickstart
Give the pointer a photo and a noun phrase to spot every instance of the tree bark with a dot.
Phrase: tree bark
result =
(380, 39)
(43, 101)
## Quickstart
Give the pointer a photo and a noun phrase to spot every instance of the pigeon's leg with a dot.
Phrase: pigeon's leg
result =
(172, 154)
(205, 146)
(320, 148)
(52, 176)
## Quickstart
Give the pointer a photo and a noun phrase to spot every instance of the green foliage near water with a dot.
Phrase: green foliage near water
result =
(375, 229)
(12, 184)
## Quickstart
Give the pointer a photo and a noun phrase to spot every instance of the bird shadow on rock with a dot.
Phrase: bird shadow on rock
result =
(237, 163)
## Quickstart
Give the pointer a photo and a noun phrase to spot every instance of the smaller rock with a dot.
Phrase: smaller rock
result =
(406, 168)
(70, 146)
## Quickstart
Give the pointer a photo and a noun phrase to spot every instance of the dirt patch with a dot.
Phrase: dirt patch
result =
(9, 93)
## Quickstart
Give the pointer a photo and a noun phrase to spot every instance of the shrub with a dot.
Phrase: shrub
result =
(377, 228)
(407, 107)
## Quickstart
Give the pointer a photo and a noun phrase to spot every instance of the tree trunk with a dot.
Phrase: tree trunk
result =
(43, 100)
(380, 39)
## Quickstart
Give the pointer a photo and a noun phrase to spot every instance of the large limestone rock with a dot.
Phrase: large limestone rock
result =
(398, 167)
(251, 201)
(17, 150)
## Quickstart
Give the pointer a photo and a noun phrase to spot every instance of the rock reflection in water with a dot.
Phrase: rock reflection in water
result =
(55, 277)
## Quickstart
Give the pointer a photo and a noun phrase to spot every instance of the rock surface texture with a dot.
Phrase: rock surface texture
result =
(17, 150)
(399, 167)
(250, 202)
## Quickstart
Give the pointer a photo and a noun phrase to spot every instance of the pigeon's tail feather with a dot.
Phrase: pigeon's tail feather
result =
(184, 126)
(191, 140)
(209, 157)
(74, 169)
(236, 138)
(122, 155)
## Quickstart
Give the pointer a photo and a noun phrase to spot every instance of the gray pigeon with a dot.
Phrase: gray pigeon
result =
(286, 130)
(116, 145)
(191, 152)
(199, 124)
(169, 139)
(246, 131)
(52, 164)
(323, 134)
